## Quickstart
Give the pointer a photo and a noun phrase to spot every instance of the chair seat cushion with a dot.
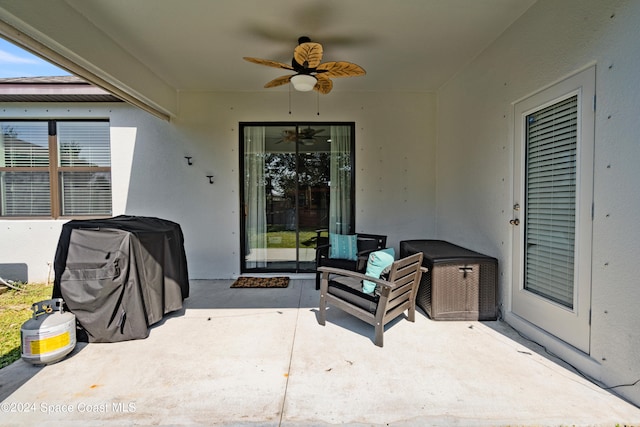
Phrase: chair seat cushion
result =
(350, 290)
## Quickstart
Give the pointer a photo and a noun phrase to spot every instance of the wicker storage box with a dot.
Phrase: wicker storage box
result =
(461, 284)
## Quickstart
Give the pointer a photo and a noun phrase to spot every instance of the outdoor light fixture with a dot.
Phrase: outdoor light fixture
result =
(303, 82)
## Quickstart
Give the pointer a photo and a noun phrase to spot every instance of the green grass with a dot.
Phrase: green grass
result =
(15, 309)
(287, 239)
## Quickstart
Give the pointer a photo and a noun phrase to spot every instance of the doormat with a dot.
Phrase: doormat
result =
(261, 282)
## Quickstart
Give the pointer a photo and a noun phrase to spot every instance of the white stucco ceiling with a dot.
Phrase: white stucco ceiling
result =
(198, 45)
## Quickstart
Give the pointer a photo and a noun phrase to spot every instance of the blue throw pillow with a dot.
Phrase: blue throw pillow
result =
(378, 261)
(343, 246)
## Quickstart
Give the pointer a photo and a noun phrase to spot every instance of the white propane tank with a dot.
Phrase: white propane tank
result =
(50, 334)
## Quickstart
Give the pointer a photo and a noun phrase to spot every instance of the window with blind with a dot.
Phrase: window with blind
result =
(550, 186)
(55, 168)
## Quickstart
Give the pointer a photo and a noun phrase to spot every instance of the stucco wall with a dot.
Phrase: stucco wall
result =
(395, 169)
(552, 40)
(395, 176)
(27, 247)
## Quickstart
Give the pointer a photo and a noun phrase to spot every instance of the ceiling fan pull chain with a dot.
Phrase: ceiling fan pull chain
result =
(289, 99)
(318, 102)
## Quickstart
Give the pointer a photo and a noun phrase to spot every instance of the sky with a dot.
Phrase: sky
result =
(16, 62)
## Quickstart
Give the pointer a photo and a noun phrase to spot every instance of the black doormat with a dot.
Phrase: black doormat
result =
(261, 282)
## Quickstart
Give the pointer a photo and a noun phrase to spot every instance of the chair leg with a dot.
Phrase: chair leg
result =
(317, 280)
(379, 331)
(412, 312)
(322, 312)
(322, 308)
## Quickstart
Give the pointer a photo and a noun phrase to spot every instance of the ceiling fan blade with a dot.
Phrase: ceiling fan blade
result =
(323, 85)
(279, 81)
(340, 69)
(268, 63)
(309, 52)
(289, 136)
(310, 133)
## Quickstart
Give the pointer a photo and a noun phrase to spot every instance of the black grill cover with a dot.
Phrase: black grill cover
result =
(120, 275)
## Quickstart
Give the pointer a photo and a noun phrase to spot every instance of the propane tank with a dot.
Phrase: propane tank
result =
(50, 334)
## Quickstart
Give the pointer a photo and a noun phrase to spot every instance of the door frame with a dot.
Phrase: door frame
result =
(572, 326)
(298, 124)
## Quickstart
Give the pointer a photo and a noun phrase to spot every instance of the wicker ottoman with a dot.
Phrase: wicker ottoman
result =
(461, 284)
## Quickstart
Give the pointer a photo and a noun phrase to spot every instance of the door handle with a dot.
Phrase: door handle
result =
(465, 270)
(515, 221)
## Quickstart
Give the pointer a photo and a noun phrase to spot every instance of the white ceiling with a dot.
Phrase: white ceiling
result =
(198, 45)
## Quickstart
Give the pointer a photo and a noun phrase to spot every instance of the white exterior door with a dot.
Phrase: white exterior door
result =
(553, 198)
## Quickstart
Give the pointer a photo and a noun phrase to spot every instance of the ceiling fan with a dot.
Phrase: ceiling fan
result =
(303, 136)
(311, 74)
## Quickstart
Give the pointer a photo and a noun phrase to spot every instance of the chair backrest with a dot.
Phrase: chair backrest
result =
(371, 242)
(405, 274)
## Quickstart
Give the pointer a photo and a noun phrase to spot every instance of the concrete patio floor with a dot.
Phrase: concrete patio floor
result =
(245, 357)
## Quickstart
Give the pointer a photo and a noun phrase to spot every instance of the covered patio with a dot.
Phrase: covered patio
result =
(439, 155)
(259, 357)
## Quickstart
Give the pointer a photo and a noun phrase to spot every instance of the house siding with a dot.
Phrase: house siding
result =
(395, 170)
(550, 42)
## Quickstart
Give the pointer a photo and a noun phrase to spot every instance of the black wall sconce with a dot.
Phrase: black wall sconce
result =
(189, 160)
(210, 179)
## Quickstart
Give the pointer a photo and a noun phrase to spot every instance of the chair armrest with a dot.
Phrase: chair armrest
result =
(354, 274)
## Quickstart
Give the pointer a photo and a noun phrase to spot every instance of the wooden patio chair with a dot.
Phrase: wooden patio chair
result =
(392, 296)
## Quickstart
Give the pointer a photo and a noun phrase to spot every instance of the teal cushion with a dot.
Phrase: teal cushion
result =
(377, 262)
(343, 246)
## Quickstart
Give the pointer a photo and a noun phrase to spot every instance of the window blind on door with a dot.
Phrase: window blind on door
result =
(552, 137)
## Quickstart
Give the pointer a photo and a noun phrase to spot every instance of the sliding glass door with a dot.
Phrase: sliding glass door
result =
(297, 185)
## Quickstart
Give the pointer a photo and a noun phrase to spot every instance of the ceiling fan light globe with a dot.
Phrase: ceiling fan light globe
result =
(303, 82)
